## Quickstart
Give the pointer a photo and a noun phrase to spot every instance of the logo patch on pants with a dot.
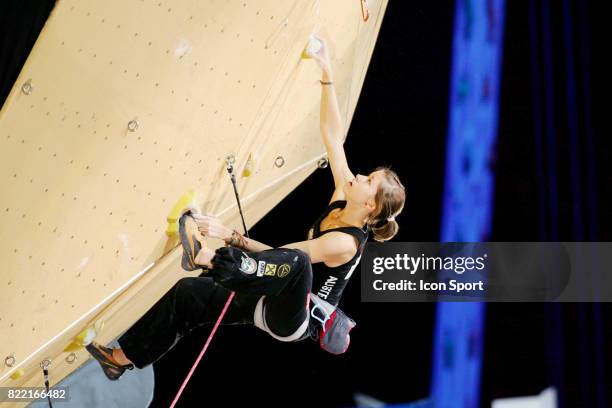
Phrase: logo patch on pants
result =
(260, 268)
(283, 270)
(270, 270)
(248, 265)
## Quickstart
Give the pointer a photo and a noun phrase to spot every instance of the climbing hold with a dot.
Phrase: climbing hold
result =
(17, 374)
(82, 339)
(312, 48)
(249, 166)
(85, 337)
(365, 10)
(184, 204)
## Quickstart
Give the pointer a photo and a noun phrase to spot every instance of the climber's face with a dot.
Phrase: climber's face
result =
(362, 189)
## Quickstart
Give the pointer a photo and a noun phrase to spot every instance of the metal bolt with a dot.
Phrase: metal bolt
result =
(10, 361)
(133, 125)
(323, 163)
(27, 87)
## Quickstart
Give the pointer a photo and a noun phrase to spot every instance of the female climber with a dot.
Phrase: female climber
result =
(291, 292)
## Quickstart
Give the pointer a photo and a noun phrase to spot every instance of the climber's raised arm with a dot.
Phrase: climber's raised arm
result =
(332, 128)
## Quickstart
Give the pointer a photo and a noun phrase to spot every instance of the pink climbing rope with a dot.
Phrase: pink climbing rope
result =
(210, 336)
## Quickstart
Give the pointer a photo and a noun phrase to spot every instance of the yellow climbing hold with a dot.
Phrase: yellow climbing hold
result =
(312, 48)
(85, 337)
(17, 374)
(81, 340)
(248, 167)
(186, 202)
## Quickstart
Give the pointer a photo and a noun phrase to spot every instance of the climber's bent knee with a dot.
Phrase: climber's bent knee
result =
(273, 268)
(259, 319)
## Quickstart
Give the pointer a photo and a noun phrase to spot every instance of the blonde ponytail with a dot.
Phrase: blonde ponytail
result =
(390, 199)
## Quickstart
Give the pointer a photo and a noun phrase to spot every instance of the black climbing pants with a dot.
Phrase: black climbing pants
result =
(284, 276)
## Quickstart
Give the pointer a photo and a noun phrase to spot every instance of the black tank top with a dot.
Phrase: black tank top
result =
(329, 283)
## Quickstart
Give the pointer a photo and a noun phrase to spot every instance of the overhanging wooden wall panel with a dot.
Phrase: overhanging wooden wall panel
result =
(84, 199)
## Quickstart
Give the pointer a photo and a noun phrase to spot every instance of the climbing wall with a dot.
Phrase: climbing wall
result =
(121, 109)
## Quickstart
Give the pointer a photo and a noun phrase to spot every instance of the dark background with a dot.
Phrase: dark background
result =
(401, 121)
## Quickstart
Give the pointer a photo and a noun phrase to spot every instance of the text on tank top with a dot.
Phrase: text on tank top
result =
(329, 282)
